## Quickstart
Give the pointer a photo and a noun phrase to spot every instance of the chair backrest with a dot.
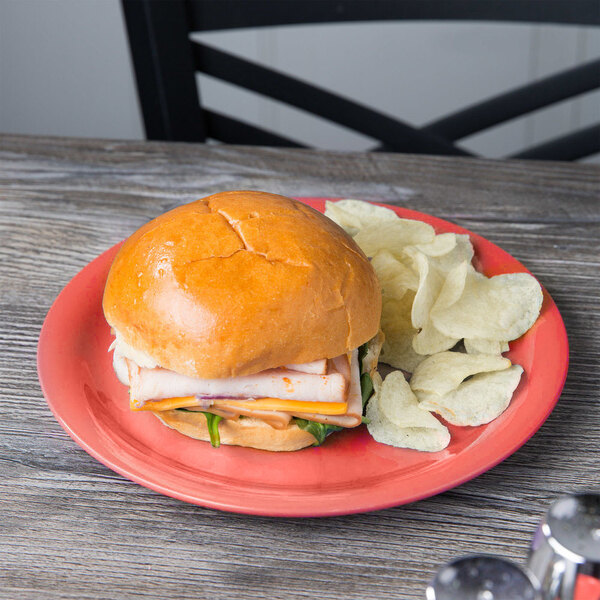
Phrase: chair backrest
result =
(166, 60)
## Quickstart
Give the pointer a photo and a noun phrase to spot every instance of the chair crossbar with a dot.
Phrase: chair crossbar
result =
(233, 131)
(573, 146)
(213, 15)
(518, 102)
(398, 136)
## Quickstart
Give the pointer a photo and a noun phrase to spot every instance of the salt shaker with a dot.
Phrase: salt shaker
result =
(567, 545)
(483, 577)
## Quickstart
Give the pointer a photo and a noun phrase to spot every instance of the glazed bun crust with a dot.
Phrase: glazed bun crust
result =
(248, 432)
(240, 282)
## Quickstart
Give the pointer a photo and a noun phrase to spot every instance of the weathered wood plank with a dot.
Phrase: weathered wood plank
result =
(71, 528)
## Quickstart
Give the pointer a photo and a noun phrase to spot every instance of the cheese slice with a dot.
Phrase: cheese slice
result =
(166, 404)
(291, 406)
(262, 404)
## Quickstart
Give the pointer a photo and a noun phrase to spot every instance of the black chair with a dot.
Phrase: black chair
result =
(166, 60)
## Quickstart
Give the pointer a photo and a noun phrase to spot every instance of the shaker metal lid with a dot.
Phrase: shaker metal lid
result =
(482, 577)
(573, 527)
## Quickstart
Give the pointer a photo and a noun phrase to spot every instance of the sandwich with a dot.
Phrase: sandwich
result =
(245, 318)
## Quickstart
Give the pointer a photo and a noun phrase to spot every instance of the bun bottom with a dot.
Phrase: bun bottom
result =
(248, 432)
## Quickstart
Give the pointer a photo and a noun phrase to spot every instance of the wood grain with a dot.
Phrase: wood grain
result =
(71, 528)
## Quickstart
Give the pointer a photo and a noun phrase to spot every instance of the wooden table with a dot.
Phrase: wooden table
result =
(71, 528)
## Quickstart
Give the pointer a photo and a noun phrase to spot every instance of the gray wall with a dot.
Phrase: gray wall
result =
(65, 70)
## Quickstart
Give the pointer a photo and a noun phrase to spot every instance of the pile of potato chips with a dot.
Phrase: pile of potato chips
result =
(444, 322)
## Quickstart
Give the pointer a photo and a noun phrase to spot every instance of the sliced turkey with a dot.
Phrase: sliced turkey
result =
(318, 367)
(353, 416)
(276, 419)
(157, 384)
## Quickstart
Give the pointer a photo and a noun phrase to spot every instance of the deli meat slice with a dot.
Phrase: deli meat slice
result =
(353, 416)
(157, 384)
(318, 367)
(276, 419)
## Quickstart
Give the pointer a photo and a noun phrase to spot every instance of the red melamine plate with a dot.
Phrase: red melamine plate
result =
(349, 473)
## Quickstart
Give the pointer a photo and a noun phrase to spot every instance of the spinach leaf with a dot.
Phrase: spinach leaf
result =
(366, 383)
(319, 430)
(366, 388)
(213, 429)
(362, 352)
(212, 422)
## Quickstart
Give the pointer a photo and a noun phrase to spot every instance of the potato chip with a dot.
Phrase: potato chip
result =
(478, 400)
(453, 287)
(430, 284)
(397, 348)
(444, 372)
(462, 251)
(501, 308)
(436, 287)
(353, 215)
(426, 397)
(430, 341)
(394, 276)
(398, 403)
(377, 383)
(476, 346)
(442, 244)
(396, 418)
(350, 223)
(432, 298)
(393, 236)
